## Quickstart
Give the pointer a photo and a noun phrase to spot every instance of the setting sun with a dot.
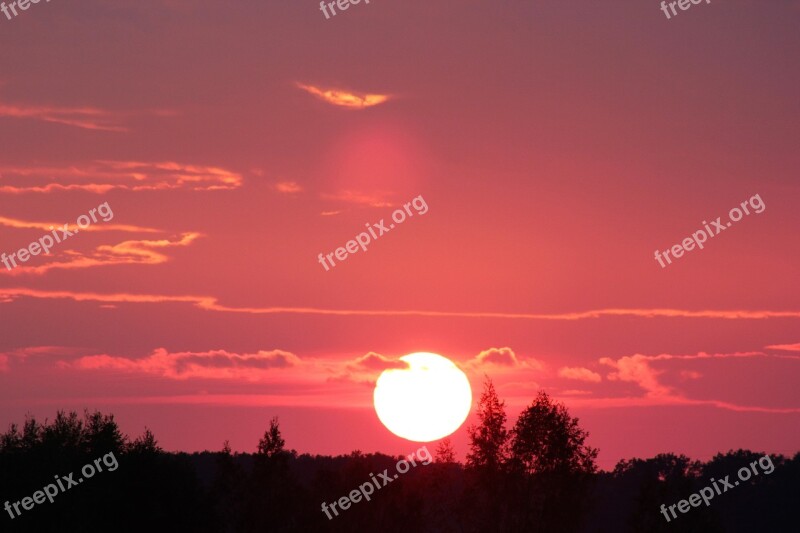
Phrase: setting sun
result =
(427, 401)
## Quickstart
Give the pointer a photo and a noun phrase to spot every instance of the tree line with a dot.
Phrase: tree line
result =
(537, 476)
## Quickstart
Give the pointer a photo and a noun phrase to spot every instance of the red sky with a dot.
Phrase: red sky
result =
(557, 146)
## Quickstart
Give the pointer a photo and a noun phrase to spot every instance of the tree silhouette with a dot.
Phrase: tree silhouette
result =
(489, 437)
(226, 491)
(546, 439)
(548, 483)
(272, 443)
(445, 452)
(269, 505)
(549, 469)
(145, 444)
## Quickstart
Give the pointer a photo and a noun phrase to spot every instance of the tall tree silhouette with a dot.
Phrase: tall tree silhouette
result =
(486, 498)
(270, 504)
(489, 437)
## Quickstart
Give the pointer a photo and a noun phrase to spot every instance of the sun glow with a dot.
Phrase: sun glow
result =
(427, 401)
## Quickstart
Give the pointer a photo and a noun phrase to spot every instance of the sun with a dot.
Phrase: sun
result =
(427, 401)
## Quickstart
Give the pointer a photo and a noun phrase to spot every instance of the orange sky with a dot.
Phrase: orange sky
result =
(556, 147)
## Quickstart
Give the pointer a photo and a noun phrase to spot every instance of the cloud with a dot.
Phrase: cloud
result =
(211, 303)
(622, 402)
(636, 369)
(22, 354)
(99, 177)
(288, 187)
(345, 98)
(363, 370)
(501, 360)
(35, 351)
(579, 373)
(89, 118)
(133, 252)
(354, 197)
(216, 364)
(377, 362)
(47, 226)
(498, 356)
(786, 347)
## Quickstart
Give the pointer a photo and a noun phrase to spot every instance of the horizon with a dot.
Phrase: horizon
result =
(594, 200)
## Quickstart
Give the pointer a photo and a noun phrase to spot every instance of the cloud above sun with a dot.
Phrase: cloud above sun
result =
(343, 98)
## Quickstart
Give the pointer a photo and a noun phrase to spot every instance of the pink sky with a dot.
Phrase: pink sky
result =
(556, 145)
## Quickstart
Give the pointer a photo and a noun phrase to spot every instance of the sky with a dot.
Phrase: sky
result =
(555, 146)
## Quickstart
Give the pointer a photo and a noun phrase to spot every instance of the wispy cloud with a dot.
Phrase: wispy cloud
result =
(579, 373)
(344, 98)
(673, 400)
(102, 176)
(504, 356)
(288, 187)
(216, 364)
(211, 303)
(638, 369)
(786, 347)
(89, 118)
(372, 361)
(355, 197)
(47, 226)
(133, 252)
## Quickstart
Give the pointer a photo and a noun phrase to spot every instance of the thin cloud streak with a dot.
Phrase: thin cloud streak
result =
(47, 226)
(607, 403)
(785, 347)
(99, 177)
(211, 303)
(359, 198)
(88, 118)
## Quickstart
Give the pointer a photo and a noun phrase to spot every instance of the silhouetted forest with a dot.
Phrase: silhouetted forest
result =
(537, 476)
